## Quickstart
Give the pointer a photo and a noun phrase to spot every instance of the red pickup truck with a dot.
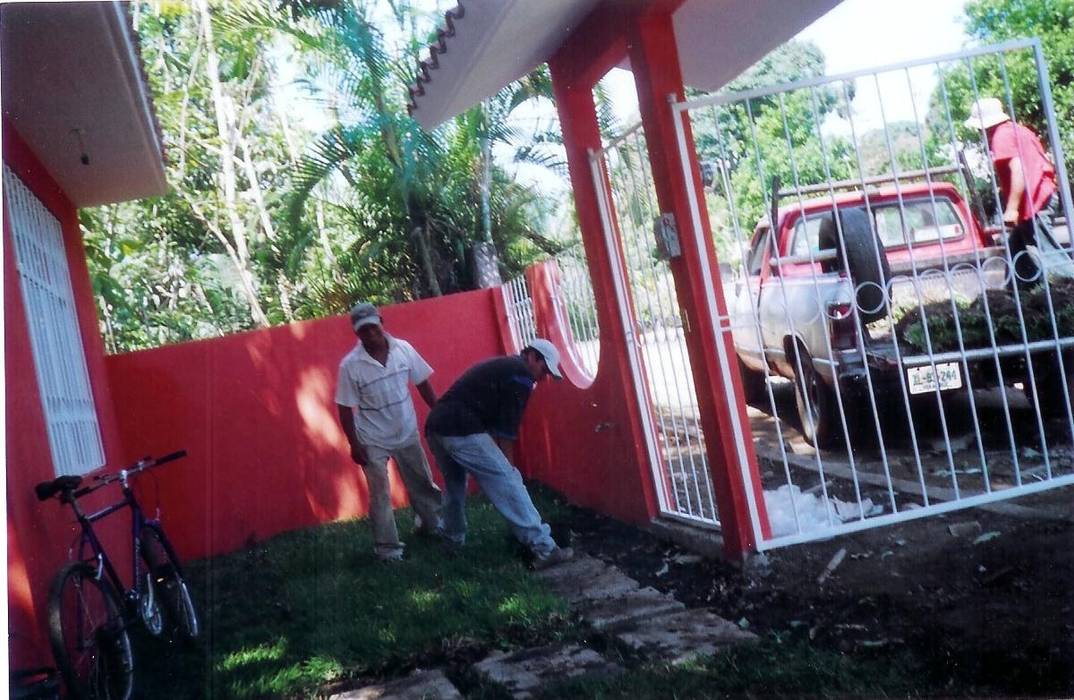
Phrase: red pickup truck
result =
(824, 286)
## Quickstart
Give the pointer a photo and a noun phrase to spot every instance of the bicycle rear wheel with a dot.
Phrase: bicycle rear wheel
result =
(88, 635)
(170, 584)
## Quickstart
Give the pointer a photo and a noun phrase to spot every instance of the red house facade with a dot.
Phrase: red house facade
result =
(78, 130)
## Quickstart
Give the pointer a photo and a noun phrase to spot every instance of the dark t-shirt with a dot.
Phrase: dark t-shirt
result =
(488, 398)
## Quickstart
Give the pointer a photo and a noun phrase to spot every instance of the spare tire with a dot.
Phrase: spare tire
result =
(865, 260)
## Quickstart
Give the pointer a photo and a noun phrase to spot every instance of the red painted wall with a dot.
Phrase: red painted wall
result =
(256, 412)
(38, 534)
(589, 443)
(580, 435)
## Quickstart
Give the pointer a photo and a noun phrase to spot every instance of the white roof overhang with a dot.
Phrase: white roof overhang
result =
(487, 44)
(73, 85)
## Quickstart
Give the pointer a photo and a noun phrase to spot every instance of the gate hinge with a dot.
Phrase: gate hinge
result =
(667, 236)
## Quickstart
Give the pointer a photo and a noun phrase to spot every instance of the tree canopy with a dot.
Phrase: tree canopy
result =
(269, 221)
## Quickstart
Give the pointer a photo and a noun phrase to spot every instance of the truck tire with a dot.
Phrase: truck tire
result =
(866, 261)
(818, 409)
(1050, 396)
(754, 386)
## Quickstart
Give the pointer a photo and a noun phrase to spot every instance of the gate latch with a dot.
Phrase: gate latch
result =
(667, 236)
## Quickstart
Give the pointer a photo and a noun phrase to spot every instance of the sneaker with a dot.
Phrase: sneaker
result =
(556, 556)
(391, 557)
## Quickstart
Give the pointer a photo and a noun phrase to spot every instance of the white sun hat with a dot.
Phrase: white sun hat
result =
(986, 113)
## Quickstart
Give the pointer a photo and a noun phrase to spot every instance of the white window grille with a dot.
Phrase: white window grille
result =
(59, 359)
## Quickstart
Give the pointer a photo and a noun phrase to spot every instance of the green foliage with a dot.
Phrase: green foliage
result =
(267, 222)
(991, 317)
(1052, 21)
(1012, 78)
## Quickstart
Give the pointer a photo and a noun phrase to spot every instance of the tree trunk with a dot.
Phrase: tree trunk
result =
(486, 173)
(421, 242)
(227, 167)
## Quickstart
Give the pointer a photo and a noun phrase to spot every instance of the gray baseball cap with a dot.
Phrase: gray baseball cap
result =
(364, 314)
(549, 353)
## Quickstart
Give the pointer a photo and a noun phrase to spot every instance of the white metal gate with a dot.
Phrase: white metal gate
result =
(900, 357)
(653, 323)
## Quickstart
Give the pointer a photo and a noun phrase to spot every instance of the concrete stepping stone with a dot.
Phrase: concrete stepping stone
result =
(420, 685)
(588, 579)
(683, 636)
(610, 613)
(580, 565)
(525, 672)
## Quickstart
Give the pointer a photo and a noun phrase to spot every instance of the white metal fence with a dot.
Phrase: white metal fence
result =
(520, 314)
(59, 359)
(577, 307)
(902, 354)
(572, 293)
(656, 329)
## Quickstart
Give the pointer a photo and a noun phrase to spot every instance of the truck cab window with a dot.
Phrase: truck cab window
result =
(757, 250)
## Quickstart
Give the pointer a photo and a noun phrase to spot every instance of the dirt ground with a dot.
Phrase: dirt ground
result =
(981, 603)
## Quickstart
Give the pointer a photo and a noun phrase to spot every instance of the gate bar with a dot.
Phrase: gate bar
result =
(825, 79)
(750, 481)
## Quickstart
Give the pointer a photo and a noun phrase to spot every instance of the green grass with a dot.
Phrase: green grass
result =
(769, 668)
(312, 607)
(308, 612)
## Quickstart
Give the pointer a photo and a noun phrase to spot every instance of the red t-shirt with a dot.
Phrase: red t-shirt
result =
(1010, 140)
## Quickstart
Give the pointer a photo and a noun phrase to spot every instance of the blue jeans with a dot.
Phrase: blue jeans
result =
(478, 454)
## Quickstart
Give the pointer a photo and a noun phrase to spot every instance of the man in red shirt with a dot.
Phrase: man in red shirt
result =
(1026, 179)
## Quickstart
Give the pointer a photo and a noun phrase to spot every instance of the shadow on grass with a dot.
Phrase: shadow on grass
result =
(314, 608)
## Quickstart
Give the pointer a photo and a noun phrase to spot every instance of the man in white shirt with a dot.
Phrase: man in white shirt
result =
(375, 378)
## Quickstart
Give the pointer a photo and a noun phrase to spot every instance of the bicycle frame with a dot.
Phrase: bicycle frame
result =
(88, 539)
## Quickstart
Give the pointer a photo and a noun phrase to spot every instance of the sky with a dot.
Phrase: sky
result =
(865, 33)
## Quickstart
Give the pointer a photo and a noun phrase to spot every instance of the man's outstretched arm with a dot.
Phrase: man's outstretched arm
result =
(1018, 191)
(427, 393)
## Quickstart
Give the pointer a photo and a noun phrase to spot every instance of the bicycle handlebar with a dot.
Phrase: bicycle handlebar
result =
(144, 463)
(68, 484)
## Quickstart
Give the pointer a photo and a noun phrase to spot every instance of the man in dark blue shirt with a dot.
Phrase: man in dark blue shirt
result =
(472, 430)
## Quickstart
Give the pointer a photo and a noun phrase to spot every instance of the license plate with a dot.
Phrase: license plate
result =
(923, 379)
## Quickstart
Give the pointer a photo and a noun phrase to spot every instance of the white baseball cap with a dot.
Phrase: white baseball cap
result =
(986, 113)
(549, 353)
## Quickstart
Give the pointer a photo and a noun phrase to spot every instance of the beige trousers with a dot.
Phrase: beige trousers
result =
(424, 495)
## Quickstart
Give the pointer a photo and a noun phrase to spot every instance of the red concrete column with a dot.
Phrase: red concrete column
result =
(655, 63)
(572, 80)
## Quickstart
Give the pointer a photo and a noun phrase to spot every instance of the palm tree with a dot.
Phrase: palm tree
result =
(414, 201)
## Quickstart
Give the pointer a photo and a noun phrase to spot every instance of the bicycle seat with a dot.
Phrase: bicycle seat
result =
(47, 489)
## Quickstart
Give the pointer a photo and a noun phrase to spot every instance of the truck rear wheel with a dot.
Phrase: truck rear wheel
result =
(754, 386)
(818, 409)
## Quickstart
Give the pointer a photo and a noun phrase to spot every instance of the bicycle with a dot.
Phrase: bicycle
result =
(87, 618)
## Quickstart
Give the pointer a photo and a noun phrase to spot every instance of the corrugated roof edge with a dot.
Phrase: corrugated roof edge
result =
(135, 40)
(424, 67)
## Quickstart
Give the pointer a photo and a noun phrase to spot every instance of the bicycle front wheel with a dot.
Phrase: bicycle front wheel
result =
(169, 582)
(88, 635)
